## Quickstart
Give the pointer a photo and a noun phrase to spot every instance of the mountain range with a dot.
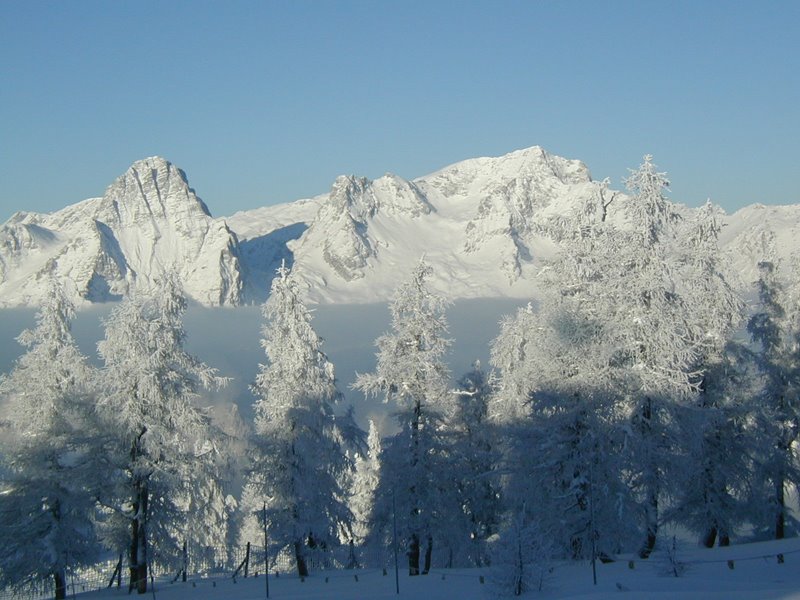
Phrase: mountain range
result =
(484, 224)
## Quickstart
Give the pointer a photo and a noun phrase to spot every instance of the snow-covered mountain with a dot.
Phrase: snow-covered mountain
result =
(485, 225)
(758, 232)
(148, 220)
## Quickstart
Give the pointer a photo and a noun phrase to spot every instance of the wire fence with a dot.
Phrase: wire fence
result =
(200, 562)
(203, 562)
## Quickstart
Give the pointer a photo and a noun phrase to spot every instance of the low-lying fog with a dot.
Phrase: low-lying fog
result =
(228, 339)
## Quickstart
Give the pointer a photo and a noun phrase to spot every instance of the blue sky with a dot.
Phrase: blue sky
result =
(264, 102)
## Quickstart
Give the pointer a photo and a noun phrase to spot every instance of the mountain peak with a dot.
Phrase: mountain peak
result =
(486, 224)
(149, 220)
(153, 187)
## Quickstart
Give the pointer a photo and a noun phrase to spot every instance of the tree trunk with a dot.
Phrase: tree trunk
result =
(428, 554)
(138, 556)
(724, 539)
(138, 550)
(133, 562)
(302, 566)
(710, 537)
(652, 524)
(60, 580)
(780, 518)
(59, 576)
(651, 483)
(413, 555)
(414, 543)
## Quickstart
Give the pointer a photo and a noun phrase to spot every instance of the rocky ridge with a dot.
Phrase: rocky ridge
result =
(485, 225)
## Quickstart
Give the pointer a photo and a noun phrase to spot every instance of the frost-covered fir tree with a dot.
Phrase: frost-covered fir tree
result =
(473, 455)
(659, 339)
(775, 329)
(299, 460)
(49, 454)
(411, 374)
(719, 462)
(714, 456)
(616, 343)
(152, 388)
(207, 508)
(365, 481)
(564, 456)
(521, 557)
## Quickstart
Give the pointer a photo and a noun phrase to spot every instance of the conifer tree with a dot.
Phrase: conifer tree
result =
(714, 460)
(152, 386)
(659, 339)
(774, 329)
(616, 343)
(473, 454)
(565, 454)
(299, 458)
(365, 482)
(49, 454)
(411, 374)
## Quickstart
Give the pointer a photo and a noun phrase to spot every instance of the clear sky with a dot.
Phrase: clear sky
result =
(263, 102)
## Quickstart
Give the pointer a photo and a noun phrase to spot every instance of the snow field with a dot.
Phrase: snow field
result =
(756, 575)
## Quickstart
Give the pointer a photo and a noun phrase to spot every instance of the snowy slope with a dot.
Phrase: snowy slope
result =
(753, 573)
(147, 221)
(759, 232)
(485, 225)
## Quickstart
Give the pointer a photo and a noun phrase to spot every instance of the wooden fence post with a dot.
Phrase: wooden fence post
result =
(246, 559)
(185, 561)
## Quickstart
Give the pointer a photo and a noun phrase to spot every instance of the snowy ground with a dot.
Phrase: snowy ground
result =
(756, 575)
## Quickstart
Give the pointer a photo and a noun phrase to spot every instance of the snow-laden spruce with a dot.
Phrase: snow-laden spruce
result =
(298, 458)
(411, 374)
(775, 330)
(563, 442)
(472, 455)
(50, 463)
(365, 481)
(611, 363)
(521, 558)
(713, 461)
(165, 448)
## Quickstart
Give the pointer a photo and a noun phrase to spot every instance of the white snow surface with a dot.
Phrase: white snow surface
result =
(485, 225)
(756, 575)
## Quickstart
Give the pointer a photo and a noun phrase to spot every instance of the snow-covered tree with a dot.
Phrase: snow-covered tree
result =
(775, 329)
(163, 437)
(411, 374)
(473, 455)
(299, 457)
(565, 456)
(659, 339)
(713, 452)
(365, 481)
(49, 454)
(721, 434)
(521, 557)
(616, 346)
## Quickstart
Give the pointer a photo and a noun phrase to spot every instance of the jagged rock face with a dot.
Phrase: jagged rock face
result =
(148, 221)
(515, 195)
(341, 227)
(481, 223)
(512, 205)
(340, 231)
(486, 225)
